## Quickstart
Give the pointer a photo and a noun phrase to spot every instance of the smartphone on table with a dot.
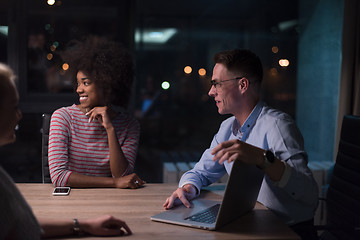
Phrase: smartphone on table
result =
(61, 191)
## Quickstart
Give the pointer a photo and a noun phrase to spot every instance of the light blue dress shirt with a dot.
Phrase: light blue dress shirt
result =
(295, 197)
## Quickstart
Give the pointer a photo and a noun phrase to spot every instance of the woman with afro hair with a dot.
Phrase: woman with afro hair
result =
(91, 144)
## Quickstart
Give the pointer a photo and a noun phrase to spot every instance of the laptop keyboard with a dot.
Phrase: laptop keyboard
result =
(206, 216)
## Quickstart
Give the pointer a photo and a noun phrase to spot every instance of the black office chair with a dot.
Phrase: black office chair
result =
(45, 144)
(343, 196)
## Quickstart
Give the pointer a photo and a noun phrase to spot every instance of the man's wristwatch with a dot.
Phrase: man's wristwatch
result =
(269, 158)
(76, 227)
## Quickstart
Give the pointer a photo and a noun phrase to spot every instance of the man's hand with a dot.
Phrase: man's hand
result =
(181, 195)
(237, 150)
(105, 226)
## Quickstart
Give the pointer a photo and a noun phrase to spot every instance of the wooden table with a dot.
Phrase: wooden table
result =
(136, 206)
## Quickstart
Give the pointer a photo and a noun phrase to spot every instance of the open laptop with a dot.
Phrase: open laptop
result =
(239, 198)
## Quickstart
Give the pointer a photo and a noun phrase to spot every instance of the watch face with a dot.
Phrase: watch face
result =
(270, 156)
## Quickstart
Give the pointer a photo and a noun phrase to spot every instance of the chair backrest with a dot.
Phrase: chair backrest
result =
(343, 196)
(45, 144)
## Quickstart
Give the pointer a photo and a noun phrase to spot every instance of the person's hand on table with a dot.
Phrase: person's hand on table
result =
(129, 181)
(181, 196)
(106, 225)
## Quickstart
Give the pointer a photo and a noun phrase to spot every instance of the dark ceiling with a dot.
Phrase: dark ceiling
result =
(242, 14)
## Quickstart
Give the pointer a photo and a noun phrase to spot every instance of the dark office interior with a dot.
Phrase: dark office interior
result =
(300, 43)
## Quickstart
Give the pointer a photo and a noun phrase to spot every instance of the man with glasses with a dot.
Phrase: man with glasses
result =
(256, 134)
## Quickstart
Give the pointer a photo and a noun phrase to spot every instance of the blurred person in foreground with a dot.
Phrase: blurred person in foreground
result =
(17, 220)
(93, 143)
(259, 135)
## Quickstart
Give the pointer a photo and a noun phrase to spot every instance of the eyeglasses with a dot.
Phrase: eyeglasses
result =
(216, 84)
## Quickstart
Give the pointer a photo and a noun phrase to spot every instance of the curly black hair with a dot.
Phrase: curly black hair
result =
(105, 62)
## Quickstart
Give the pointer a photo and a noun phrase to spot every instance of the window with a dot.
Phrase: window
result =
(173, 35)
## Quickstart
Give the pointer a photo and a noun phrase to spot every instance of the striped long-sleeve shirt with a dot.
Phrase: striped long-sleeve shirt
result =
(75, 145)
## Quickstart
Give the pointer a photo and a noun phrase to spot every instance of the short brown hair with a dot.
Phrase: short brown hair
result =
(243, 61)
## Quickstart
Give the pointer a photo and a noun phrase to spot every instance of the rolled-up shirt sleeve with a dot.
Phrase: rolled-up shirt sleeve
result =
(296, 194)
(288, 145)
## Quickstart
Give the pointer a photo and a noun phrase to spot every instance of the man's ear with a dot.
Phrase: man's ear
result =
(244, 83)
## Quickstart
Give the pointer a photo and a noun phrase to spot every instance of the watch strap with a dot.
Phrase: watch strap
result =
(76, 227)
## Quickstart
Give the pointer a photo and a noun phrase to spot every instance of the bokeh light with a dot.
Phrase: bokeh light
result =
(47, 27)
(49, 56)
(202, 72)
(165, 85)
(65, 66)
(274, 72)
(275, 49)
(284, 62)
(187, 69)
(50, 2)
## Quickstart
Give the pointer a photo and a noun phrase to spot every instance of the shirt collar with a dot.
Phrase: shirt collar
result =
(249, 122)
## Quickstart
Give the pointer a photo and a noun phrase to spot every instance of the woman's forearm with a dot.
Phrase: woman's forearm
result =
(80, 180)
(118, 161)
